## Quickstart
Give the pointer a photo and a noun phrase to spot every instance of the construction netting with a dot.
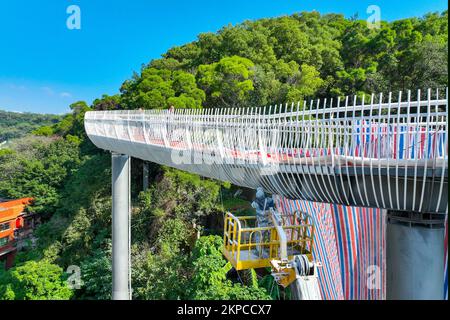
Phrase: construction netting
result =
(350, 243)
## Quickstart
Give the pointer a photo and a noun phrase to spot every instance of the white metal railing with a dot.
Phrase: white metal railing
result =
(386, 154)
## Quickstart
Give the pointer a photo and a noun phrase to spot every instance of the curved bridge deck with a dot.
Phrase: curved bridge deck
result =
(390, 155)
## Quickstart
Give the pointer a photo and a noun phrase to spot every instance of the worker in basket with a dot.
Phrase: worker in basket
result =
(262, 205)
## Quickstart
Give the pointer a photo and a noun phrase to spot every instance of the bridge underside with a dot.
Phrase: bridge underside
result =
(414, 186)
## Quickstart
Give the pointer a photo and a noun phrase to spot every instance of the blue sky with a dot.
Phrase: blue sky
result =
(44, 66)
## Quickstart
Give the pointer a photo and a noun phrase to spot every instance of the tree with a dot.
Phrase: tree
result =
(45, 131)
(162, 88)
(96, 274)
(304, 84)
(288, 40)
(209, 275)
(73, 123)
(107, 103)
(38, 169)
(429, 65)
(163, 273)
(227, 82)
(34, 280)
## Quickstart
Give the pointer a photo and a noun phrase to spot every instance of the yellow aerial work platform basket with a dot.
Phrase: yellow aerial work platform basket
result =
(248, 246)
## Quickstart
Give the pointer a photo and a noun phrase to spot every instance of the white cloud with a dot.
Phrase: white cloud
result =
(17, 87)
(65, 95)
(51, 92)
(14, 86)
(48, 91)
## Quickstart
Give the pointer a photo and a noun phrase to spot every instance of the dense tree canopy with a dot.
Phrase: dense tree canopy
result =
(296, 57)
(34, 281)
(227, 81)
(162, 88)
(37, 167)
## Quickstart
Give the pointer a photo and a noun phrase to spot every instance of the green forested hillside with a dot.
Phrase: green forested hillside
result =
(290, 58)
(16, 125)
(251, 64)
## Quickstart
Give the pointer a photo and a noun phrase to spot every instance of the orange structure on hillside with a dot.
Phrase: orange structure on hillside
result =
(13, 218)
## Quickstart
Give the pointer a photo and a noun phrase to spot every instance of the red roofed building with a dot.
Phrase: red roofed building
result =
(16, 223)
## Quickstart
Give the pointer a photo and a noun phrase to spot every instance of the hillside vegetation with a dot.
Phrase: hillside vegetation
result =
(255, 63)
(15, 125)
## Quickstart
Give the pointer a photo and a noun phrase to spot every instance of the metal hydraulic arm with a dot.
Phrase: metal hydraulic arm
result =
(298, 273)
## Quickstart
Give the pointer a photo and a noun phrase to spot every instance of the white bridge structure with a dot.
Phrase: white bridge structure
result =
(385, 152)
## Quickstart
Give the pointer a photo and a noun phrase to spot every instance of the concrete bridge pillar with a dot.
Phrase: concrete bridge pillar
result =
(415, 256)
(121, 269)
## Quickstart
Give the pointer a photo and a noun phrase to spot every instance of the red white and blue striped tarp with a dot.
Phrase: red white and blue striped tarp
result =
(396, 141)
(325, 247)
(350, 243)
(360, 236)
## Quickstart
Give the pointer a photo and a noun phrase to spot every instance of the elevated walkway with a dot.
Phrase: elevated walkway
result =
(390, 155)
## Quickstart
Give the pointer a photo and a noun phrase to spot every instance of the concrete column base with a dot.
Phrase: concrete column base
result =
(415, 256)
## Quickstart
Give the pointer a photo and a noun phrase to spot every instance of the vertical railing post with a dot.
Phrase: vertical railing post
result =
(121, 226)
